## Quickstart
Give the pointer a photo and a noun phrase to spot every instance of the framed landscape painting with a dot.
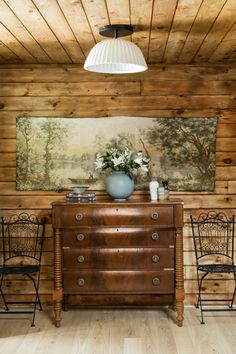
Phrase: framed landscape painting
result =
(57, 153)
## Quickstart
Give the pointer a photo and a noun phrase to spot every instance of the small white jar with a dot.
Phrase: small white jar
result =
(153, 188)
(161, 193)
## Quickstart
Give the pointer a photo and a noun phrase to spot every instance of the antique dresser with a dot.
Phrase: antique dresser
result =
(131, 251)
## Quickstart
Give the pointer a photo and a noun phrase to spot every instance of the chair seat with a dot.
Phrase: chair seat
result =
(217, 268)
(26, 269)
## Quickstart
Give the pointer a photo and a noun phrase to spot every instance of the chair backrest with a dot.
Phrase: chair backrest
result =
(213, 234)
(22, 236)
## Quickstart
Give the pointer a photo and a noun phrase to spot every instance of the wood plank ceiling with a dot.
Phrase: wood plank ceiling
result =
(167, 31)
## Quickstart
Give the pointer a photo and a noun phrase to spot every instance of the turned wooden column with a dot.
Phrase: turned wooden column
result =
(179, 275)
(57, 293)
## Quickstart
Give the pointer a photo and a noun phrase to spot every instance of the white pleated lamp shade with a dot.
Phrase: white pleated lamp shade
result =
(115, 56)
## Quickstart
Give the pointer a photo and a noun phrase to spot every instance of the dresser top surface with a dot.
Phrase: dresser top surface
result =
(102, 201)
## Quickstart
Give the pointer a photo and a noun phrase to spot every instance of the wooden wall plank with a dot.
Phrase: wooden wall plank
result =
(232, 187)
(226, 144)
(226, 131)
(69, 73)
(7, 131)
(226, 158)
(186, 87)
(71, 89)
(190, 201)
(114, 102)
(7, 145)
(8, 159)
(226, 173)
(8, 174)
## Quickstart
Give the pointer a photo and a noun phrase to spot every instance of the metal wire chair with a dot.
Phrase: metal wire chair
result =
(213, 236)
(22, 245)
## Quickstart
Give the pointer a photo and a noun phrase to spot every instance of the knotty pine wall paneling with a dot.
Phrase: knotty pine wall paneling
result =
(162, 91)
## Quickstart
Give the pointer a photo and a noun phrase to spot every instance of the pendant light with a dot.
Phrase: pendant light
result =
(115, 55)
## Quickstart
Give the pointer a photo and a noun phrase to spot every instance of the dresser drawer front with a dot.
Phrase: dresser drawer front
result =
(158, 282)
(111, 237)
(118, 215)
(119, 258)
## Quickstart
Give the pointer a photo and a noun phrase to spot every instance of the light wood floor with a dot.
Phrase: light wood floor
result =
(120, 332)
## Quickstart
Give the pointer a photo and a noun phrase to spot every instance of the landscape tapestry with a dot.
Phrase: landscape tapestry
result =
(58, 153)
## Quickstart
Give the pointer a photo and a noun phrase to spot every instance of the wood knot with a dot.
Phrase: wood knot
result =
(2, 105)
(180, 111)
(227, 161)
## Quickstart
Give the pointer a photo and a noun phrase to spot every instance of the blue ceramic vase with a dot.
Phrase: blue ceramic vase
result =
(119, 185)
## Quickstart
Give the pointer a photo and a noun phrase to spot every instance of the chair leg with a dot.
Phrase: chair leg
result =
(232, 301)
(199, 300)
(37, 299)
(3, 297)
(199, 288)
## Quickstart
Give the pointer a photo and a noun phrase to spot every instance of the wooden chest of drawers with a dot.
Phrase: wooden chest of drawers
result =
(130, 248)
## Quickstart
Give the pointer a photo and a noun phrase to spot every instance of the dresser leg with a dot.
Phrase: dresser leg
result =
(57, 313)
(180, 312)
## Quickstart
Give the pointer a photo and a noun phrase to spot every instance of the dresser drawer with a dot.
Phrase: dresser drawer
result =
(158, 282)
(118, 258)
(118, 215)
(121, 236)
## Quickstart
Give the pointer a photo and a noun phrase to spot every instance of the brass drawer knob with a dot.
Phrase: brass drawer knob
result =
(81, 281)
(80, 237)
(80, 259)
(155, 236)
(155, 281)
(155, 258)
(79, 216)
(154, 216)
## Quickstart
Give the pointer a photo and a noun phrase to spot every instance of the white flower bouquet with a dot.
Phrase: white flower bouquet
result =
(126, 161)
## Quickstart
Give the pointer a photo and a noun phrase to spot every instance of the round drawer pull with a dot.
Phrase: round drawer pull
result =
(155, 281)
(80, 237)
(80, 259)
(79, 216)
(154, 216)
(155, 236)
(155, 258)
(81, 281)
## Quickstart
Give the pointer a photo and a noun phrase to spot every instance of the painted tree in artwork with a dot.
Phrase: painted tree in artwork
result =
(53, 132)
(187, 143)
(121, 141)
(26, 130)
